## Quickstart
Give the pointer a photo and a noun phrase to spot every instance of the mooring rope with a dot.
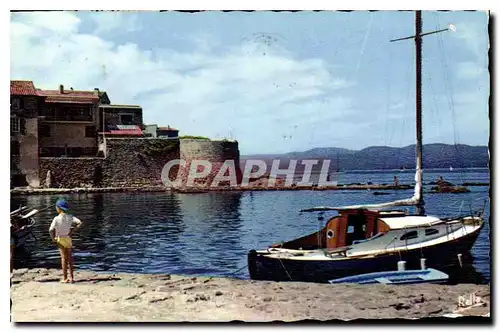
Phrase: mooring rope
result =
(284, 268)
(232, 274)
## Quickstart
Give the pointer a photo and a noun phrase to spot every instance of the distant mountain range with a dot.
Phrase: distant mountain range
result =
(384, 157)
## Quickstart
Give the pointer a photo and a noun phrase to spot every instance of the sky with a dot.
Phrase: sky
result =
(275, 81)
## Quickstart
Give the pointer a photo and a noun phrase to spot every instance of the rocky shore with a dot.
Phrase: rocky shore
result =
(38, 296)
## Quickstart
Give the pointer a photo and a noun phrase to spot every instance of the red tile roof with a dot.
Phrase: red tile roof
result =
(128, 132)
(125, 132)
(71, 99)
(22, 88)
(69, 96)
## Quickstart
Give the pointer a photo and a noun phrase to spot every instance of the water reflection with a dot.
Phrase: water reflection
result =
(209, 234)
(213, 224)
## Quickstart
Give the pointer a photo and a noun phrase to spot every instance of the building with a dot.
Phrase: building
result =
(66, 123)
(118, 121)
(150, 130)
(112, 115)
(24, 109)
(167, 132)
(160, 132)
(68, 119)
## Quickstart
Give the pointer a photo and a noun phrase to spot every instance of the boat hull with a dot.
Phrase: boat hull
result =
(442, 256)
(22, 235)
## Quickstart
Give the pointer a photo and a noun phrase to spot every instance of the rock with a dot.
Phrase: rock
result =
(218, 293)
(135, 297)
(400, 306)
(419, 300)
(20, 271)
(161, 299)
(201, 297)
(162, 276)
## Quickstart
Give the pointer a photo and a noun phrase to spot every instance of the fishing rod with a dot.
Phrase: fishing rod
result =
(22, 208)
(46, 208)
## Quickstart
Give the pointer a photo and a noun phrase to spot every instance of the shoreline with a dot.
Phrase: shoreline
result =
(201, 189)
(37, 296)
(195, 190)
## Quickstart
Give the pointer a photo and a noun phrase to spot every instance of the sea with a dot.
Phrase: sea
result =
(209, 234)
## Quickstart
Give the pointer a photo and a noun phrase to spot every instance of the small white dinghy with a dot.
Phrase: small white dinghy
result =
(396, 277)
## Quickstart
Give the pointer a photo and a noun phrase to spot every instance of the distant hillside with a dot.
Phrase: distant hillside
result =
(383, 157)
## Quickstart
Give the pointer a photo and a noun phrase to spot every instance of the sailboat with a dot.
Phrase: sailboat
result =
(373, 237)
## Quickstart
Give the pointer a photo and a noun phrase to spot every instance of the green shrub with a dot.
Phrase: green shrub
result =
(194, 137)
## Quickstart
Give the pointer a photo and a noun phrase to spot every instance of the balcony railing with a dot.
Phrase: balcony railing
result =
(83, 118)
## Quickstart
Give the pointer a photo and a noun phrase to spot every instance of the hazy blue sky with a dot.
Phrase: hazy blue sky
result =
(276, 82)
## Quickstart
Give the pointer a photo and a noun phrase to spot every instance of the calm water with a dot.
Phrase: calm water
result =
(210, 234)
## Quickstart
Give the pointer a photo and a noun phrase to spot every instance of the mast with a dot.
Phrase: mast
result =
(418, 57)
(417, 198)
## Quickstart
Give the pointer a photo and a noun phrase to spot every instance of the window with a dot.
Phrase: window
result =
(14, 148)
(409, 236)
(431, 231)
(48, 112)
(15, 124)
(126, 119)
(15, 103)
(330, 234)
(22, 126)
(44, 130)
(90, 131)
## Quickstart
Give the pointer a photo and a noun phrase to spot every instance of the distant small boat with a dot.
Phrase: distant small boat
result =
(451, 169)
(377, 193)
(395, 277)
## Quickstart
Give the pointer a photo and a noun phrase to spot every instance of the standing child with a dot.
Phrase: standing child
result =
(61, 229)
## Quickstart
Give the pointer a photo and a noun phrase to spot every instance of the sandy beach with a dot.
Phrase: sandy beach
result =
(38, 296)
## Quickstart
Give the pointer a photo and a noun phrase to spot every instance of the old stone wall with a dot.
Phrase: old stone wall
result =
(70, 172)
(139, 162)
(216, 152)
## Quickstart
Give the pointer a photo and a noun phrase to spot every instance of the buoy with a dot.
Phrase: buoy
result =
(401, 265)
(460, 260)
(422, 263)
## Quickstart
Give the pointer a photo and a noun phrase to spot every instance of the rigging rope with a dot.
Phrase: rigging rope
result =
(388, 100)
(450, 94)
(408, 97)
(363, 47)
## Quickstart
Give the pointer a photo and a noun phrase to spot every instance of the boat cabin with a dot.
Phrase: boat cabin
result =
(348, 227)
